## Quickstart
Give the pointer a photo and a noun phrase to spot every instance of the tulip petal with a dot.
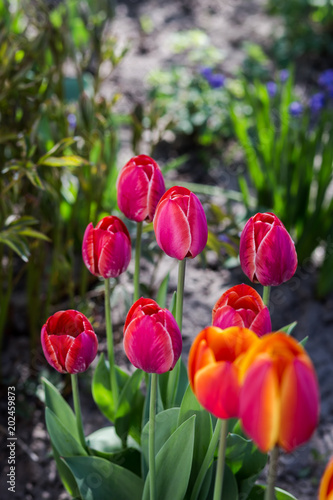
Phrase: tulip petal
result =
(172, 229)
(114, 256)
(217, 389)
(148, 345)
(132, 193)
(50, 353)
(326, 483)
(88, 249)
(276, 259)
(82, 352)
(299, 404)
(155, 191)
(260, 404)
(262, 323)
(227, 316)
(198, 226)
(247, 250)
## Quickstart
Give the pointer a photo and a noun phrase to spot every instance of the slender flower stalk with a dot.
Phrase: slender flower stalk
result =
(220, 461)
(77, 410)
(207, 460)
(109, 339)
(152, 415)
(272, 471)
(137, 261)
(265, 295)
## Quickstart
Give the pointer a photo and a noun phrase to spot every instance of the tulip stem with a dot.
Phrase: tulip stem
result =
(137, 261)
(109, 339)
(207, 460)
(266, 294)
(272, 472)
(77, 410)
(152, 415)
(220, 461)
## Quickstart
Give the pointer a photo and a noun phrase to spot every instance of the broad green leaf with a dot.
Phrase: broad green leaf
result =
(258, 493)
(236, 446)
(173, 464)
(182, 383)
(101, 387)
(66, 476)
(288, 328)
(162, 292)
(130, 406)
(229, 490)
(253, 460)
(60, 407)
(62, 439)
(99, 479)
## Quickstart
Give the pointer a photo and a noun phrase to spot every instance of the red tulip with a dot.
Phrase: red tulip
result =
(140, 186)
(69, 342)
(180, 224)
(106, 250)
(152, 339)
(213, 368)
(267, 252)
(326, 483)
(242, 306)
(279, 401)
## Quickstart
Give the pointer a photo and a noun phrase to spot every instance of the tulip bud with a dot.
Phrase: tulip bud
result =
(69, 342)
(326, 483)
(279, 399)
(213, 368)
(152, 339)
(180, 224)
(140, 186)
(106, 250)
(267, 252)
(242, 306)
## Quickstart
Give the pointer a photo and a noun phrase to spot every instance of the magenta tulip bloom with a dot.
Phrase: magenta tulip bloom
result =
(69, 342)
(152, 339)
(267, 252)
(242, 306)
(106, 249)
(180, 224)
(140, 186)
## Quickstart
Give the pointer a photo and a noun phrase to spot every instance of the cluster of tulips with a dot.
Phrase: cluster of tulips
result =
(247, 390)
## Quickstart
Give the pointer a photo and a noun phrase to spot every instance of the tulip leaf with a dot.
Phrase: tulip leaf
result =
(179, 391)
(288, 328)
(236, 447)
(99, 479)
(202, 434)
(166, 423)
(61, 437)
(229, 490)
(173, 304)
(304, 341)
(57, 404)
(258, 493)
(66, 476)
(130, 407)
(101, 387)
(171, 478)
(162, 292)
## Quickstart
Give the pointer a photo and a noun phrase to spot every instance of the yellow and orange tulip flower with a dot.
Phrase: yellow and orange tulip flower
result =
(326, 483)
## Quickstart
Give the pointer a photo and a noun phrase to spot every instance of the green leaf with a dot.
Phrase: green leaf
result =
(130, 406)
(99, 479)
(57, 404)
(66, 476)
(258, 493)
(236, 446)
(162, 292)
(101, 387)
(31, 233)
(230, 489)
(202, 434)
(63, 161)
(304, 341)
(62, 438)
(288, 328)
(60, 146)
(171, 477)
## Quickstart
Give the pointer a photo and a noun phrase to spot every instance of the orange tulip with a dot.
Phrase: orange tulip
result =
(213, 368)
(279, 399)
(326, 483)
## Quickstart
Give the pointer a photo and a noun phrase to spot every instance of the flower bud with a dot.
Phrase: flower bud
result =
(267, 252)
(106, 249)
(140, 186)
(69, 342)
(242, 306)
(180, 224)
(152, 339)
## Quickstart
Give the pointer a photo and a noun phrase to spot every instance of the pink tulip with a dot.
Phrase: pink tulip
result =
(180, 224)
(242, 306)
(152, 339)
(106, 250)
(140, 186)
(69, 342)
(267, 252)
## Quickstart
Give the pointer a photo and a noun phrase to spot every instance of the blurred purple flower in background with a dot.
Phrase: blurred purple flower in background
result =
(326, 79)
(215, 80)
(295, 108)
(284, 75)
(271, 88)
(205, 71)
(71, 118)
(317, 102)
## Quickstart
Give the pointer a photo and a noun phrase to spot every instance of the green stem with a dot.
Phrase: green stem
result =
(137, 261)
(109, 339)
(265, 295)
(206, 461)
(272, 471)
(152, 415)
(220, 461)
(77, 410)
